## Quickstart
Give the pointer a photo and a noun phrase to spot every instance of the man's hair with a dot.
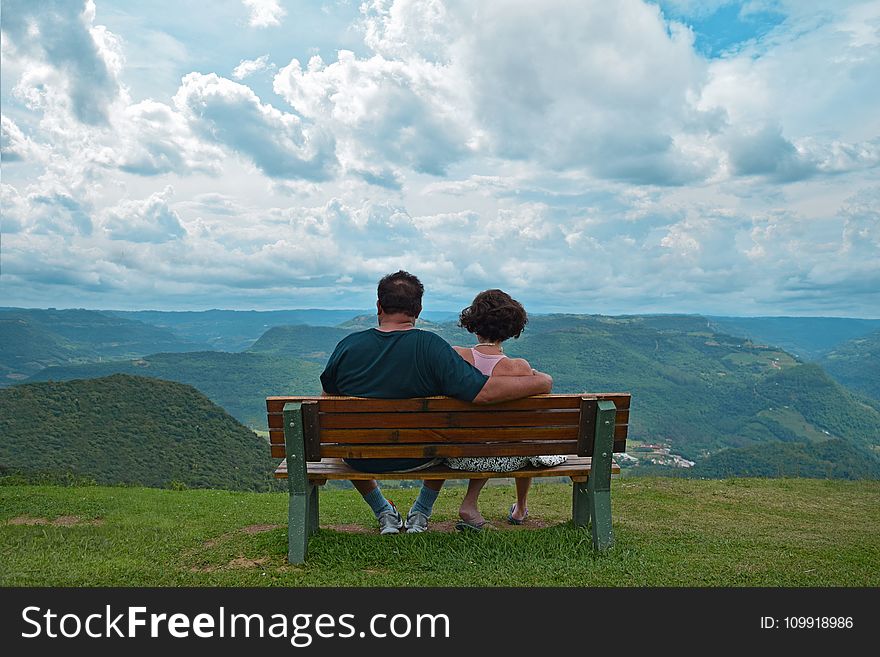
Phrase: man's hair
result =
(495, 316)
(401, 292)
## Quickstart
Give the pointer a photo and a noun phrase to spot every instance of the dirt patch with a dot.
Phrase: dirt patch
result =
(258, 529)
(61, 521)
(244, 562)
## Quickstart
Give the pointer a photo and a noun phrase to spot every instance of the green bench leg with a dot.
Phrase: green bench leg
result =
(302, 512)
(313, 509)
(591, 501)
(580, 504)
(297, 528)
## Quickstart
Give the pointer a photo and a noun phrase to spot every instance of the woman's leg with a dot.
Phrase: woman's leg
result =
(469, 511)
(522, 491)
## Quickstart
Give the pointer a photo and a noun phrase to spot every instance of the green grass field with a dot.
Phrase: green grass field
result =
(669, 532)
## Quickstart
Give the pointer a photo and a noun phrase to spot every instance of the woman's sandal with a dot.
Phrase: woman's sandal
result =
(514, 521)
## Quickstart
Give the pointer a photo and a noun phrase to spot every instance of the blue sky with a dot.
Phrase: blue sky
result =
(629, 157)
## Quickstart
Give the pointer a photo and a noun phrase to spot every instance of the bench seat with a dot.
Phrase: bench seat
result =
(576, 467)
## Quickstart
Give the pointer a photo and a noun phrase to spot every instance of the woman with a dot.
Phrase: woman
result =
(494, 317)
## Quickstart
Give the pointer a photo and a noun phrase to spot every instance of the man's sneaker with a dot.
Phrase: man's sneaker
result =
(416, 523)
(390, 522)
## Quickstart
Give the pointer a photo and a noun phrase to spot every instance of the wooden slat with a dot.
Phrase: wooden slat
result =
(575, 466)
(276, 420)
(359, 436)
(399, 436)
(449, 419)
(278, 451)
(359, 405)
(445, 449)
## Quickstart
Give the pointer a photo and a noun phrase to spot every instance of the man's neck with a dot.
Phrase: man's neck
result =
(396, 322)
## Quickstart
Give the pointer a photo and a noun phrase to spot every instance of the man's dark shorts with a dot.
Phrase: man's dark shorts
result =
(390, 465)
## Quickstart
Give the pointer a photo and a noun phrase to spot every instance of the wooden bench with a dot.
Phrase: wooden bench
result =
(313, 434)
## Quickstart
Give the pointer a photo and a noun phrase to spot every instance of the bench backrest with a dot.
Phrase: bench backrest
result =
(354, 427)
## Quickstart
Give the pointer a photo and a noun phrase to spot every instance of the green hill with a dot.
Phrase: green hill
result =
(126, 429)
(238, 382)
(31, 340)
(309, 342)
(856, 364)
(829, 459)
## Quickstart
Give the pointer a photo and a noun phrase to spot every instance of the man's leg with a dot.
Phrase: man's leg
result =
(417, 518)
(389, 519)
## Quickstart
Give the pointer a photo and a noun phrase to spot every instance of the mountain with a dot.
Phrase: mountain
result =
(695, 391)
(32, 339)
(856, 364)
(239, 382)
(237, 330)
(808, 338)
(309, 342)
(128, 429)
(233, 330)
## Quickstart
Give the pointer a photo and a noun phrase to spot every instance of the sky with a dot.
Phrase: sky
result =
(625, 157)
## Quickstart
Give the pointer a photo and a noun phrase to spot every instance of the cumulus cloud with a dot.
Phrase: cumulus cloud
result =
(403, 113)
(50, 211)
(84, 59)
(146, 220)
(611, 90)
(264, 13)
(231, 114)
(248, 67)
(153, 139)
(15, 146)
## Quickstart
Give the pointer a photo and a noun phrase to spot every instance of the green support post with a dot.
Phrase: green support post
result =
(313, 508)
(299, 511)
(580, 504)
(599, 483)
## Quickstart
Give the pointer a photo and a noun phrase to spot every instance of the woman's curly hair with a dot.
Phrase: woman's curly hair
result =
(495, 316)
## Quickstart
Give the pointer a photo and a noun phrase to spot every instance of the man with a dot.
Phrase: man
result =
(398, 361)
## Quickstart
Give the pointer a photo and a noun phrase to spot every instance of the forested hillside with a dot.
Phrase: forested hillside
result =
(126, 429)
(238, 382)
(856, 364)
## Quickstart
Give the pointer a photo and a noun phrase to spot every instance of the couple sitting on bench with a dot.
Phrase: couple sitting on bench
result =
(398, 361)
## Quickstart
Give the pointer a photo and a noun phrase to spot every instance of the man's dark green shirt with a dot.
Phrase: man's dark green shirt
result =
(398, 365)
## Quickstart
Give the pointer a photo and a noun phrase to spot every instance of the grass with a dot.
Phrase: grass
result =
(669, 532)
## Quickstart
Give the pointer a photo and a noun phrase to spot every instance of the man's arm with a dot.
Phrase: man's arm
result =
(507, 388)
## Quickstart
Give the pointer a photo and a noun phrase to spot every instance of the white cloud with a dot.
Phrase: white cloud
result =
(399, 113)
(15, 146)
(248, 67)
(264, 13)
(231, 114)
(82, 61)
(147, 220)
(153, 139)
